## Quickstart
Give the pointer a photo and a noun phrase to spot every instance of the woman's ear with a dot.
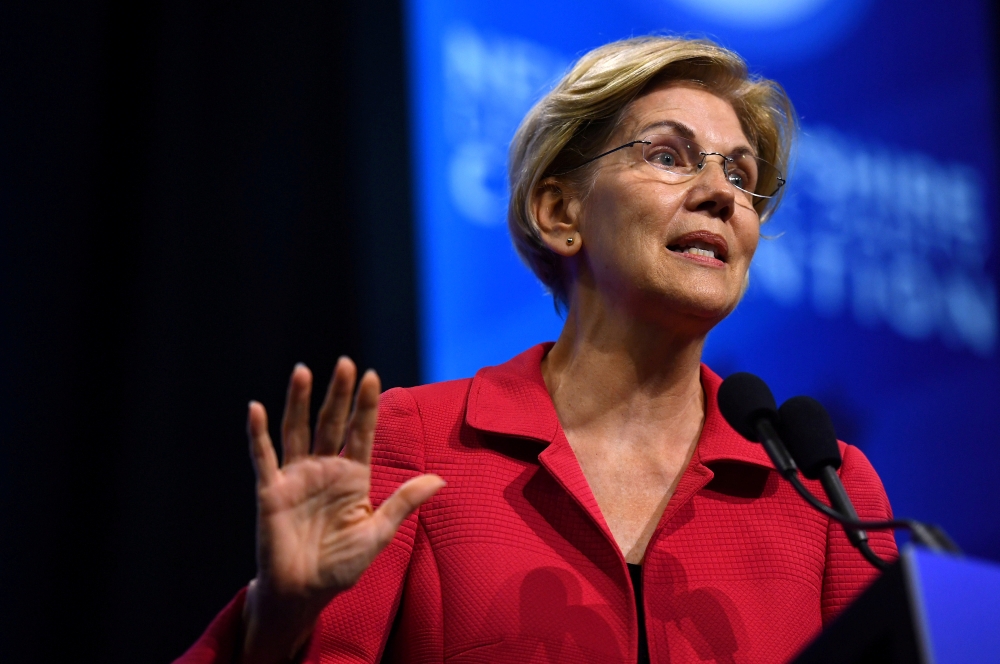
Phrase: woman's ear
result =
(557, 212)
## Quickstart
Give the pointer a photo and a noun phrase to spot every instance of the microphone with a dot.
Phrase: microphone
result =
(808, 434)
(747, 404)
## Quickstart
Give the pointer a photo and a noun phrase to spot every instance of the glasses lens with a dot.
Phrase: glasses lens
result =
(673, 154)
(770, 180)
(754, 176)
(683, 157)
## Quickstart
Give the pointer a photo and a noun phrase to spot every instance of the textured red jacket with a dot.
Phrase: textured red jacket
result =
(513, 562)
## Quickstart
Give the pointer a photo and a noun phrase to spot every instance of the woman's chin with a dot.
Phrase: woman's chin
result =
(699, 310)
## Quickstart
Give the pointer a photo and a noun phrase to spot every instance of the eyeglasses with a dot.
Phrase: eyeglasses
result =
(684, 159)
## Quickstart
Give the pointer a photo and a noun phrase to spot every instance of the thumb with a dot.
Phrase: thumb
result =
(393, 511)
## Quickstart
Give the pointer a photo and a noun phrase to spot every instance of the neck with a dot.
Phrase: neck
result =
(611, 371)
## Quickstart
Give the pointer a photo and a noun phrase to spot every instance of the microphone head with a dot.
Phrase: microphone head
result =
(808, 433)
(743, 400)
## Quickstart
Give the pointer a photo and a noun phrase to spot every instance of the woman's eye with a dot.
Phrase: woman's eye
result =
(741, 179)
(742, 173)
(663, 160)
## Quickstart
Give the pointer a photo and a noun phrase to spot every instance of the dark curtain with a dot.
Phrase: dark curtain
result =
(194, 196)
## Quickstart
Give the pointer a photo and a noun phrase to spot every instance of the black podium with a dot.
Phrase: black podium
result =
(928, 608)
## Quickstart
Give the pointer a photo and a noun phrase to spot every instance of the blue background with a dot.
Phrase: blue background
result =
(877, 294)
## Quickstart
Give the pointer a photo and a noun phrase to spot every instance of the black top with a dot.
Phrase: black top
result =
(635, 571)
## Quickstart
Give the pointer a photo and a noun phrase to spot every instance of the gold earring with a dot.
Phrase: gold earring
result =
(569, 240)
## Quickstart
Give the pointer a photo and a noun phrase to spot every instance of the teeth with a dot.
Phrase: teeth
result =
(696, 248)
(699, 252)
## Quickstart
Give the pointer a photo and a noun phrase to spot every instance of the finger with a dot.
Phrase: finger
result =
(295, 423)
(265, 461)
(332, 421)
(391, 513)
(361, 426)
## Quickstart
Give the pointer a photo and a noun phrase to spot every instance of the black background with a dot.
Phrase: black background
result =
(194, 196)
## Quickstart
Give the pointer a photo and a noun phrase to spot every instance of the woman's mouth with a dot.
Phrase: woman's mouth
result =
(702, 246)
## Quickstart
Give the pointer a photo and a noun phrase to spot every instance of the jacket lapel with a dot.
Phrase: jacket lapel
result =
(511, 400)
(718, 442)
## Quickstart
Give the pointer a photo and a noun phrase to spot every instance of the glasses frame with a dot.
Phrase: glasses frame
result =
(726, 159)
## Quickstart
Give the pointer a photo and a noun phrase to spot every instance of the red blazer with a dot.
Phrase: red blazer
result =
(513, 562)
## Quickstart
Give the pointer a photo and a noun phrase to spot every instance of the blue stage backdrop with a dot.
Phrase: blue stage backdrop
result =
(878, 294)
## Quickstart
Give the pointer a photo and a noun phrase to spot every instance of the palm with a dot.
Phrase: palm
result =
(316, 530)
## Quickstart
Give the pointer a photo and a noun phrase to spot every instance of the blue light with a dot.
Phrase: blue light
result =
(763, 31)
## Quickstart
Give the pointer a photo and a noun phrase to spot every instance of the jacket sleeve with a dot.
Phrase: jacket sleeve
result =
(847, 573)
(355, 625)
(218, 645)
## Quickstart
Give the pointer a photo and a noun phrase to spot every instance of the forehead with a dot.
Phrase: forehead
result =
(711, 119)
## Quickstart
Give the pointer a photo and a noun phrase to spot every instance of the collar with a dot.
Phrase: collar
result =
(511, 400)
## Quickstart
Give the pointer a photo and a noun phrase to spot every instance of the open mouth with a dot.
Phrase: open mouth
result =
(701, 244)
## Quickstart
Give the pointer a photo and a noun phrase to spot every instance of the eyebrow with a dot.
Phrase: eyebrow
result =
(682, 129)
(678, 127)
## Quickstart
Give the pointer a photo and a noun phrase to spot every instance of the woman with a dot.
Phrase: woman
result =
(597, 507)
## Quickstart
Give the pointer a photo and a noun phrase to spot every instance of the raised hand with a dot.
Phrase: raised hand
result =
(316, 530)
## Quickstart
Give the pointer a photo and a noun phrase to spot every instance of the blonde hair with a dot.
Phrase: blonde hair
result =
(577, 118)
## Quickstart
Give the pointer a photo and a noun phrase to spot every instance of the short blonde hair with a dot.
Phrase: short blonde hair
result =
(578, 117)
